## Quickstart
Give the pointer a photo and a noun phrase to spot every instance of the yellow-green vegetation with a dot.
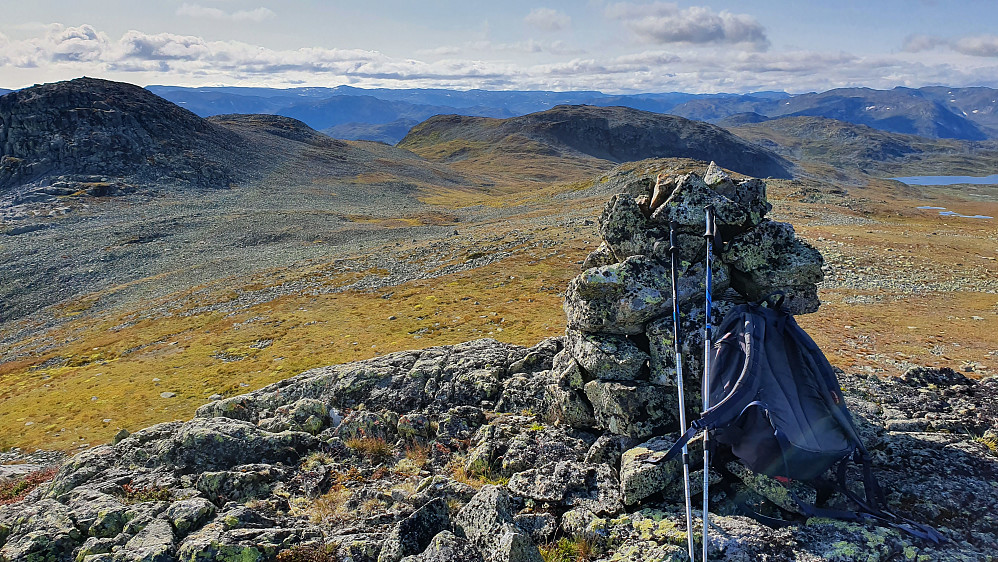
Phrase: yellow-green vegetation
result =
(14, 489)
(577, 549)
(310, 553)
(910, 288)
(330, 507)
(111, 370)
(478, 475)
(139, 494)
(374, 449)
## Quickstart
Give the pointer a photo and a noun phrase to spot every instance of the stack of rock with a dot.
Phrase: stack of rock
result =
(617, 372)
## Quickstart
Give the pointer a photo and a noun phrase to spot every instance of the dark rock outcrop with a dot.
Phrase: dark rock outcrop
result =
(102, 137)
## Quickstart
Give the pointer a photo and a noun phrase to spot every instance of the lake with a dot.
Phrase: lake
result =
(948, 180)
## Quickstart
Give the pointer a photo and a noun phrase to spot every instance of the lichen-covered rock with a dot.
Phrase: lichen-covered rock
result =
(688, 200)
(154, 543)
(649, 551)
(624, 228)
(780, 494)
(239, 484)
(636, 409)
(364, 424)
(769, 258)
(619, 298)
(188, 515)
(607, 356)
(642, 473)
(447, 547)
(413, 534)
(523, 392)
(599, 257)
(594, 487)
(540, 526)
(414, 426)
(308, 415)
(483, 518)
(570, 406)
(42, 531)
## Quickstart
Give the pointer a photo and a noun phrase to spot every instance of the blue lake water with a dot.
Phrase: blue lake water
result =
(948, 180)
(945, 213)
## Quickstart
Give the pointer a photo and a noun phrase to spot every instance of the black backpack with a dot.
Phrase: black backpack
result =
(776, 401)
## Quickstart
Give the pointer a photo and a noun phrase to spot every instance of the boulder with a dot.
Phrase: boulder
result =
(641, 472)
(486, 521)
(636, 409)
(621, 298)
(43, 530)
(570, 483)
(607, 356)
(413, 534)
(447, 547)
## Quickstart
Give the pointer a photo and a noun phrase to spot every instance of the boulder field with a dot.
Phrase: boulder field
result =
(487, 451)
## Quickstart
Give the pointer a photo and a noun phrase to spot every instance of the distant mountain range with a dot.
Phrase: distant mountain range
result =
(385, 115)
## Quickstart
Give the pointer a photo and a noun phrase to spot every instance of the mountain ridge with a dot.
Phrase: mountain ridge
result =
(611, 134)
(967, 113)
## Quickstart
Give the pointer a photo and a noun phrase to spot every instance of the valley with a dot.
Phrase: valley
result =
(129, 309)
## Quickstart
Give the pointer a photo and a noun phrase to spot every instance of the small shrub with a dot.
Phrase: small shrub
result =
(568, 550)
(371, 506)
(331, 507)
(133, 494)
(478, 476)
(15, 489)
(418, 454)
(316, 460)
(310, 553)
(374, 449)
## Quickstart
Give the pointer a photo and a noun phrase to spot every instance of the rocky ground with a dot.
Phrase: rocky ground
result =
(456, 453)
(491, 451)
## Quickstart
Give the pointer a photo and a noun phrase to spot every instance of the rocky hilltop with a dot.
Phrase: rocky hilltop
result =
(486, 451)
(101, 137)
(614, 134)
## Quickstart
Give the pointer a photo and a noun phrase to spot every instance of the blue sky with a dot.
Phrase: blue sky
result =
(729, 46)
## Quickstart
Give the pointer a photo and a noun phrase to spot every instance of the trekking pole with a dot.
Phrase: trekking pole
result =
(707, 341)
(674, 253)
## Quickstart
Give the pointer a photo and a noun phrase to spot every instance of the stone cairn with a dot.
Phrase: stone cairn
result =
(617, 372)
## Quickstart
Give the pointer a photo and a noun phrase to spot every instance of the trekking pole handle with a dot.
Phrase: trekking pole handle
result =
(673, 245)
(711, 229)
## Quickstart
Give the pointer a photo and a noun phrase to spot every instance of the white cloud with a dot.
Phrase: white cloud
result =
(665, 23)
(975, 45)
(918, 43)
(547, 19)
(199, 11)
(78, 44)
(978, 45)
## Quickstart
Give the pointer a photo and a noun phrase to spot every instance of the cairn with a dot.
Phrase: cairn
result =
(617, 372)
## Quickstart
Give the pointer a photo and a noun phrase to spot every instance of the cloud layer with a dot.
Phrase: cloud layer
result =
(199, 11)
(139, 57)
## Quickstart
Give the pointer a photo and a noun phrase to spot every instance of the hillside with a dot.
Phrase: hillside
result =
(849, 147)
(588, 135)
(388, 133)
(133, 197)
